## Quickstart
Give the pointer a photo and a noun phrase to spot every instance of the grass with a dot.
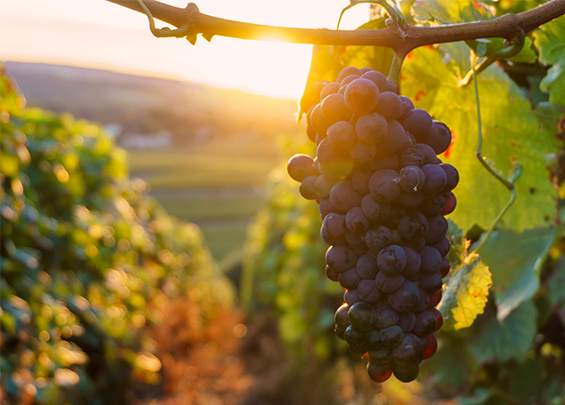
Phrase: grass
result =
(215, 184)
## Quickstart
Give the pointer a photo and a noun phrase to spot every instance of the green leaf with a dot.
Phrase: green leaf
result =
(515, 261)
(447, 372)
(526, 380)
(449, 12)
(466, 293)
(458, 249)
(480, 396)
(512, 133)
(508, 340)
(556, 285)
(550, 40)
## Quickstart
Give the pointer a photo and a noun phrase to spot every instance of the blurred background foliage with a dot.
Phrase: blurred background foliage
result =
(103, 293)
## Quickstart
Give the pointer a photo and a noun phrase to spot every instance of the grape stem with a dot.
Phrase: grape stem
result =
(516, 46)
(193, 22)
(393, 11)
(508, 183)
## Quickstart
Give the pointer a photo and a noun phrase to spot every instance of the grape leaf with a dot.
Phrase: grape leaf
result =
(515, 261)
(458, 249)
(526, 380)
(466, 293)
(512, 133)
(550, 40)
(480, 397)
(509, 340)
(556, 285)
(447, 372)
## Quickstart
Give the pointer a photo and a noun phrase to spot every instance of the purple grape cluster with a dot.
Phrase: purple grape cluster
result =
(382, 195)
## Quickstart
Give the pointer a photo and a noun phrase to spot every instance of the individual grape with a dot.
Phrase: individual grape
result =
(307, 188)
(362, 316)
(349, 279)
(318, 121)
(405, 298)
(452, 176)
(378, 78)
(341, 319)
(344, 87)
(332, 274)
(354, 336)
(423, 301)
(413, 261)
(450, 203)
(406, 321)
(418, 122)
(367, 267)
(365, 70)
(442, 246)
(437, 229)
(373, 209)
(312, 96)
(379, 372)
(408, 106)
(361, 96)
(373, 340)
(326, 207)
(416, 244)
(341, 135)
(371, 128)
(328, 89)
(431, 259)
(311, 132)
(433, 205)
(438, 316)
(368, 291)
(425, 324)
(412, 179)
(382, 355)
(396, 239)
(411, 200)
(435, 298)
(362, 153)
(348, 71)
(391, 260)
(354, 239)
(330, 239)
(386, 317)
(409, 351)
(356, 221)
(345, 82)
(414, 277)
(344, 197)
(427, 152)
(439, 137)
(396, 139)
(341, 258)
(413, 226)
(326, 154)
(383, 186)
(323, 186)
(334, 108)
(391, 337)
(360, 179)
(435, 179)
(391, 86)
(351, 297)
(358, 350)
(301, 166)
(394, 215)
(445, 267)
(378, 237)
(431, 281)
(339, 332)
(390, 106)
(431, 347)
(384, 162)
(405, 373)
(360, 249)
(412, 157)
(389, 284)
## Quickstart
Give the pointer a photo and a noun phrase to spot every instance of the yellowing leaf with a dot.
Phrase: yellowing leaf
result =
(466, 293)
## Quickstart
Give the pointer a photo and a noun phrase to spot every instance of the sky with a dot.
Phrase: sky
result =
(99, 34)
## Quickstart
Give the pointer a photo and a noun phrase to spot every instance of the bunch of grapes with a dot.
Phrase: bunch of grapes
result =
(382, 195)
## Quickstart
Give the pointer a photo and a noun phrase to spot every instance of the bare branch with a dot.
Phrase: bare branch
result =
(506, 27)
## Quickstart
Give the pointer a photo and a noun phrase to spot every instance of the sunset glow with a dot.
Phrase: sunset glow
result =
(99, 34)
